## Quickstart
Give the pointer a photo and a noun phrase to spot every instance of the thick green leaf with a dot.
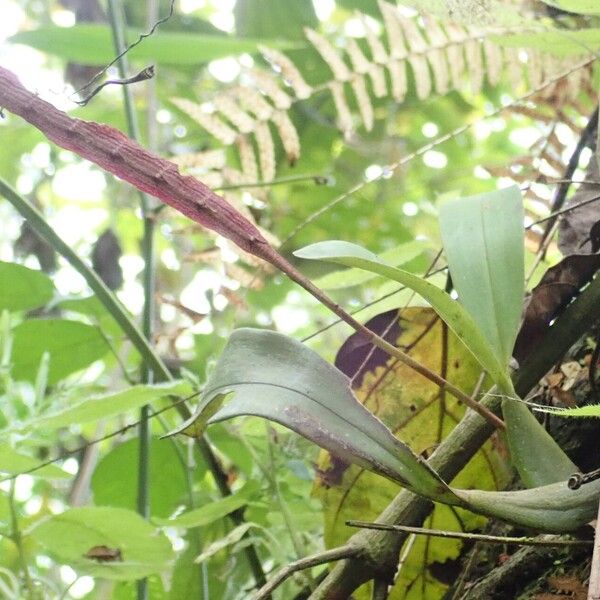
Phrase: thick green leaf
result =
(483, 241)
(555, 41)
(71, 345)
(103, 406)
(450, 311)
(92, 44)
(538, 459)
(14, 462)
(69, 536)
(214, 511)
(22, 288)
(349, 277)
(113, 484)
(275, 377)
(553, 508)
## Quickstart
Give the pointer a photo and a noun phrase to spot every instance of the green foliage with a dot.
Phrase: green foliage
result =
(483, 242)
(70, 372)
(113, 483)
(103, 406)
(22, 288)
(92, 44)
(71, 346)
(212, 512)
(457, 318)
(13, 462)
(72, 535)
(316, 402)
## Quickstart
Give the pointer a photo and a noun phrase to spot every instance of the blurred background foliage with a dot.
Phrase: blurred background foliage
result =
(61, 349)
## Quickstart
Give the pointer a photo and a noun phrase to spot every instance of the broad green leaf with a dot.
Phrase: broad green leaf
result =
(484, 244)
(275, 377)
(483, 240)
(104, 406)
(450, 311)
(558, 42)
(22, 288)
(584, 7)
(92, 44)
(14, 462)
(349, 277)
(113, 485)
(213, 511)
(233, 537)
(538, 459)
(70, 535)
(72, 346)
(270, 18)
(552, 508)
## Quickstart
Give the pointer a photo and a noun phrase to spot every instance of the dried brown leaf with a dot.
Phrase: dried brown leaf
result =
(269, 85)
(213, 124)
(344, 115)
(232, 111)
(288, 134)
(329, 54)
(253, 101)
(559, 285)
(210, 159)
(247, 159)
(266, 150)
(363, 100)
(288, 71)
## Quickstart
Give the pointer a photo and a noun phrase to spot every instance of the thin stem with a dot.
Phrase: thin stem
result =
(117, 23)
(316, 179)
(17, 538)
(594, 587)
(460, 535)
(305, 563)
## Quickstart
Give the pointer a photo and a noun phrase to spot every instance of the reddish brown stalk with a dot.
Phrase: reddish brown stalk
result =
(116, 153)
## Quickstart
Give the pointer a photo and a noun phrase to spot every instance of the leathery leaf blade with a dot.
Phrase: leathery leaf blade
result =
(552, 508)
(266, 374)
(456, 317)
(483, 241)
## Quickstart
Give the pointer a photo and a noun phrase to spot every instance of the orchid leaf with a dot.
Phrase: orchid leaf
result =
(553, 508)
(457, 318)
(269, 375)
(483, 241)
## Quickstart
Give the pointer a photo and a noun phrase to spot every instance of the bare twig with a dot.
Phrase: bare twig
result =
(143, 75)
(130, 47)
(594, 587)
(307, 562)
(461, 535)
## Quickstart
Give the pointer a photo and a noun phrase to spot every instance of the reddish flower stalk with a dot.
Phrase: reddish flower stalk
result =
(116, 153)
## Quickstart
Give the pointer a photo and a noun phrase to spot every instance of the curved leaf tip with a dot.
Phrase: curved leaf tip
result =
(334, 249)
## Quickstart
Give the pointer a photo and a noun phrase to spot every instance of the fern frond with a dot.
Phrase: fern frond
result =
(440, 55)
